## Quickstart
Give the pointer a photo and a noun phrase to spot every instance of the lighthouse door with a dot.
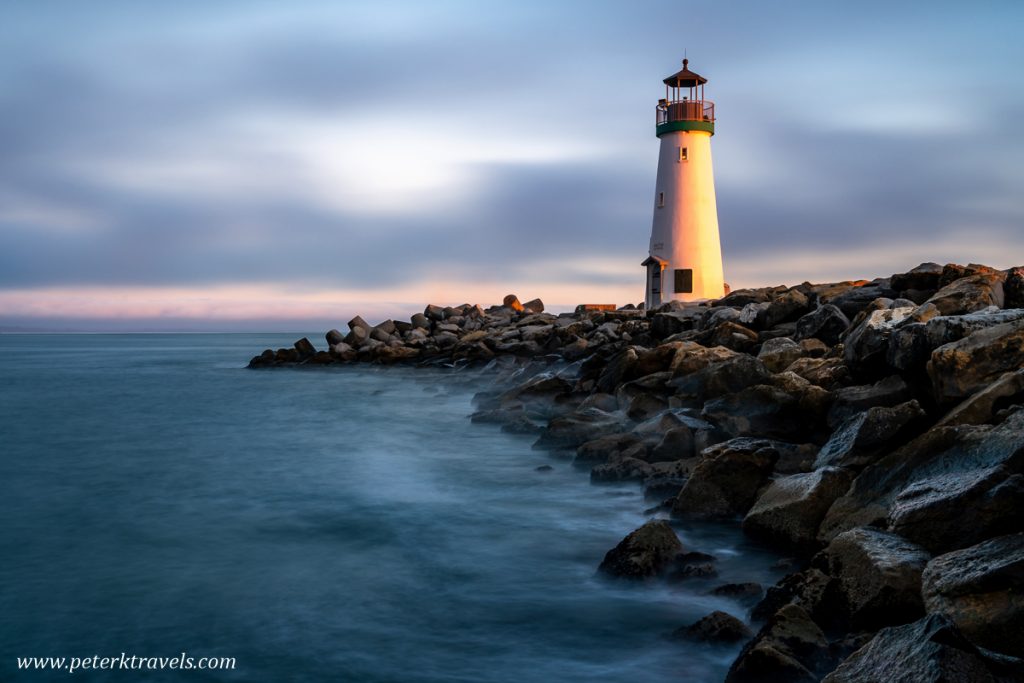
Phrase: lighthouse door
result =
(654, 284)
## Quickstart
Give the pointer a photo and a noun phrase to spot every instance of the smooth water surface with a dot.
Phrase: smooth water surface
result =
(316, 525)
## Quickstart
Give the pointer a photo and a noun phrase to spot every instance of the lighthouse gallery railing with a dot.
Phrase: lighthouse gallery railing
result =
(686, 110)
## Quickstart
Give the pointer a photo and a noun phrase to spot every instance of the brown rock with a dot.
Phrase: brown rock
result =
(644, 553)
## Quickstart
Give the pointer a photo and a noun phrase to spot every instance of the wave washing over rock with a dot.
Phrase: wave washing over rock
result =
(874, 431)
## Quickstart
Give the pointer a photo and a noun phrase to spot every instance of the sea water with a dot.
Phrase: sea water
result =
(345, 524)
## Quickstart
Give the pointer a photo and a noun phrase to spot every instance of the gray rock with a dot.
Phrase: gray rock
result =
(726, 479)
(1013, 288)
(791, 508)
(810, 590)
(961, 368)
(826, 323)
(981, 589)
(878, 575)
(982, 406)
(305, 348)
(969, 294)
(607, 448)
(420, 321)
(571, 431)
(866, 346)
(850, 401)
(911, 346)
(861, 438)
(435, 313)
(334, 337)
(779, 353)
(677, 444)
(360, 323)
(718, 379)
(828, 373)
(645, 553)
(622, 469)
(930, 650)
(852, 301)
(786, 307)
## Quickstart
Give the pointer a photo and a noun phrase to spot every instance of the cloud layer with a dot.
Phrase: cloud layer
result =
(360, 155)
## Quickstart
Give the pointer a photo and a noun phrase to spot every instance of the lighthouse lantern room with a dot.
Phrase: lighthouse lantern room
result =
(685, 261)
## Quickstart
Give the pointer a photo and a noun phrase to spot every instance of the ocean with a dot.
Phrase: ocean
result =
(346, 524)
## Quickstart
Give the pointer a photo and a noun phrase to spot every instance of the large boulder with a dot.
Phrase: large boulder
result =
(534, 306)
(878, 576)
(826, 323)
(575, 429)
(790, 648)
(981, 589)
(786, 307)
(861, 438)
(970, 294)
(961, 368)
(791, 508)
(911, 345)
(334, 337)
(922, 489)
(930, 650)
(725, 481)
(828, 373)
(611, 447)
(305, 348)
(645, 553)
(690, 357)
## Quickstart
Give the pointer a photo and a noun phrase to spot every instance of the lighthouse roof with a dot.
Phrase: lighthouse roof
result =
(685, 78)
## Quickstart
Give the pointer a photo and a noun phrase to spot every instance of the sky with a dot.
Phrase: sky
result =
(264, 166)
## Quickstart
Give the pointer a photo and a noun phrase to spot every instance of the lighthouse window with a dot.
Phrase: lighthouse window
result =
(684, 281)
(661, 199)
(682, 154)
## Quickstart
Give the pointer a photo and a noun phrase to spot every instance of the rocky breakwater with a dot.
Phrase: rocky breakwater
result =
(872, 430)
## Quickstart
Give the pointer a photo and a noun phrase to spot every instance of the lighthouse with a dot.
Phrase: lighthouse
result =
(685, 261)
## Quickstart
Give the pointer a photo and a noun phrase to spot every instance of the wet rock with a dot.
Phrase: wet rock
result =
(610, 447)
(692, 565)
(645, 406)
(861, 438)
(334, 337)
(878, 575)
(778, 354)
(727, 478)
(645, 553)
(677, 444)
(981, 589)
(743, 592)
(969, 294)
(961, 368)
(789, 648)
(791, 508)
(544, 468)
(575, 429)
(808, 589)
(826, 323)
(717, 627)
(929, 650)
(621, 368)
(621, 469)
(982, 407)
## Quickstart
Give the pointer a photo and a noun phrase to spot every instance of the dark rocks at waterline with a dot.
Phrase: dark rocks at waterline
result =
(717, 627)
(645, 553)
(872, 430)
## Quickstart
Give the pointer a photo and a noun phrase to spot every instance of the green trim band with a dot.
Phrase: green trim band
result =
(706, 126)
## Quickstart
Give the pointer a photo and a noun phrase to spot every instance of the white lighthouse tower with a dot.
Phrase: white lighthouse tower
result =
(685, 262)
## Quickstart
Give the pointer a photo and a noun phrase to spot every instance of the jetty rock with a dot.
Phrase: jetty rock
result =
(872, 430)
